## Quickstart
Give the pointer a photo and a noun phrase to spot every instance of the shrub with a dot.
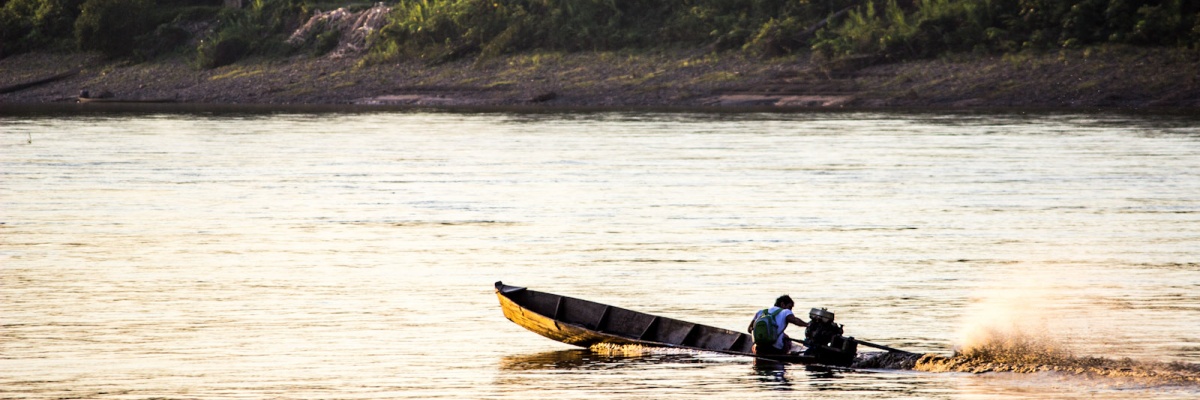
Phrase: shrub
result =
(1159, 24)
(111, 26)
(164, 39)
(257, 29)
(27, 24)
(775, 37)
(221, 51)
(325, 42)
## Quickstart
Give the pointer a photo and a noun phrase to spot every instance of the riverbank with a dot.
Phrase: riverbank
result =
(1109, 77)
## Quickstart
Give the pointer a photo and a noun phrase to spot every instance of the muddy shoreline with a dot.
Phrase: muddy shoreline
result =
(1105, 78)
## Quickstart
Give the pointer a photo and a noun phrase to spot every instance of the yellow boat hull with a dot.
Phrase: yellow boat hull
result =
(555, 330)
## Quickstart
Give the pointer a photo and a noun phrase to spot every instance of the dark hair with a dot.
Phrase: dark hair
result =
(785, 299)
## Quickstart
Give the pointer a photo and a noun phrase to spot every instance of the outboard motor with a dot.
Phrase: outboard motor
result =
(825, 342)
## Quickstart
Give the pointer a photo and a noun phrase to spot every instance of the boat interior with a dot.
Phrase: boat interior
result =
(629, 324)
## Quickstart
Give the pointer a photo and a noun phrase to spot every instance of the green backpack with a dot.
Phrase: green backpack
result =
(766, 330)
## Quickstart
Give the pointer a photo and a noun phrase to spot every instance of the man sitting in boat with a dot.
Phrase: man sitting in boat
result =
(770, 325)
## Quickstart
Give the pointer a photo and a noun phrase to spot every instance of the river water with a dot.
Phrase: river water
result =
(223, 255)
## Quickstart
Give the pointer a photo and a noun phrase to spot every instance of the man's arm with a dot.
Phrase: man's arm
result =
(750, 328)
(792, 318)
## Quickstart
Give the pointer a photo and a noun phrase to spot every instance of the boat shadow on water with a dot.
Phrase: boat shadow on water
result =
(588, 359)
(770, 371)
(647, 370)
(603, 357)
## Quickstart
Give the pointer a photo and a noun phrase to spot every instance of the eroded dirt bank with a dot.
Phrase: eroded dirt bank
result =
(1094, 78)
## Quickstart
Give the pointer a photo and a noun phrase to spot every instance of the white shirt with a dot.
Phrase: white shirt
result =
(780, 321)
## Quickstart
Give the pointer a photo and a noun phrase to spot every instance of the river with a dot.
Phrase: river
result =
(305, 255)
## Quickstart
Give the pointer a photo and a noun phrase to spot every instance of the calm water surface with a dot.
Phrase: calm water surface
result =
(281, 255)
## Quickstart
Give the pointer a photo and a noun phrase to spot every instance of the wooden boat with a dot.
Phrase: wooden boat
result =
(585, 323)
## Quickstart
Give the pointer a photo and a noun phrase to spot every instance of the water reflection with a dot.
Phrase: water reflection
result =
(685, 374)
(772, 373)
(586, 359)
(561, 359)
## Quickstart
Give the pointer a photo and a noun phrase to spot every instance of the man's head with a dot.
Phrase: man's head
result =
(785, 301)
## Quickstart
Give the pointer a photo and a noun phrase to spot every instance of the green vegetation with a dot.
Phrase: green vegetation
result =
(259, 28)
(930, 27)
(29, 24)
(110, 26)
(447, 29)
(143, 29)
(442, 30)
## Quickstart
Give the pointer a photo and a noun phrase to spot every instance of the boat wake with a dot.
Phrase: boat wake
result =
(1022, 353)
(886, 360)
(1026, 323)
